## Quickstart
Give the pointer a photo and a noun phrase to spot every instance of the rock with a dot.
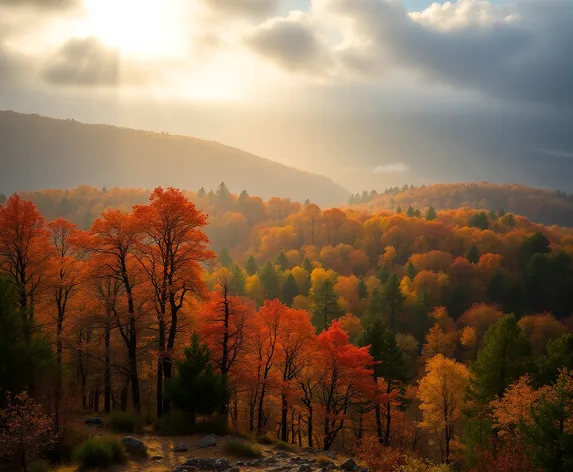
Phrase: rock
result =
(310, 450)
(269, 461)
(241, 464)
(180, 448)
(348, 464)
(305, 468)
(134, 446)
(282, 468)
(282, 454)
(330, 454)
(94, 422)
(204, 463)
(208, 441)
(255, 462)
(156, 458)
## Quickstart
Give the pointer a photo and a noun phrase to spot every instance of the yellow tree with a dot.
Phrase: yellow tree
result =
(441, 393)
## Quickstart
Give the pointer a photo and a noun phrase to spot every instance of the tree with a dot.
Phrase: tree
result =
(393, 300)
(362, 289)
(225, 258)
(237, 282)
(559, 354)
(269, 278)
(473, 254)
(281, 260)
(479, 220)
(196, 388)
(290, 290)
(389, 365)
(441, 393)
(223, 193)
(431, 214)
(25, 431)
(411, 270)
(251, 266)
(171, 246)
(324, 305)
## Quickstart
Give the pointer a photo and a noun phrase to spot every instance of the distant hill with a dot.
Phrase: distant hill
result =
(38, 152)
(539, 205)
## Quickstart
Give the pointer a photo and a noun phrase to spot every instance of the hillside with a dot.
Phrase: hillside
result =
(539, 205)
(38, 152)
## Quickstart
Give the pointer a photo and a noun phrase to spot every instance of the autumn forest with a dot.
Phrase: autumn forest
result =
(406, 329)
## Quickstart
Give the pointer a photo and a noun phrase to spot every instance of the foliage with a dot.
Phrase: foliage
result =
(99, 451)
(242, 449)
(124, 422)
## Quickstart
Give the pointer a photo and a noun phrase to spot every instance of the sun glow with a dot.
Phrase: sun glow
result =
(150, 28)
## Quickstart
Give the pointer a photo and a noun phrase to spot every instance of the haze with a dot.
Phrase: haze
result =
(368, 92)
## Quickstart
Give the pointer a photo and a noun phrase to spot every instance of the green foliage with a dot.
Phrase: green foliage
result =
(196, 388)
(431, 214)
(99, 452)
(284, 446)
(237, 282)
(266, 440)
(124, 422)
(225, 258)
(177, 423)
(324, 305)
(507, 219)
(307, 265)
(383, 274)
(422, 320)
(281, 260)
(251, 265)
(393, 301)
(24, 353)
(290, 290)
(559, 354)
(270, 281)
(479, 220)
(362, 289)
(411, 270)
(473, 254)
(243, 449)
(223, 192)
(457, 301)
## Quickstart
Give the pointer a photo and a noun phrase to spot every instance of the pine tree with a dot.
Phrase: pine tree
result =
(431, 214)
(362, 289)
(393, 299)
(243, 196)
(390, 366)
(201, 193)
(411, 270)
(422, 321)
(473, 254)
(382, 274)
(290, 290)
(281, 260)
(251, 266)
(237, 281)
(197, 389)
(324, 306)
(225, 258)
(399, 209)
(269, 278)
(223, 192)
(307, 265)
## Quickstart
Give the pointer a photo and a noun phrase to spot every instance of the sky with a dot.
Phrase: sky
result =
(371, 93)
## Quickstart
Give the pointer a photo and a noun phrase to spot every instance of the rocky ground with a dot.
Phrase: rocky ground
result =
(149, 453)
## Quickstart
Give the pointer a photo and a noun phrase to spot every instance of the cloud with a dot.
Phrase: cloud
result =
(246, 8)
(84, 62)
(394, 168)
(292, 43)
(522, 54)
(41, 4)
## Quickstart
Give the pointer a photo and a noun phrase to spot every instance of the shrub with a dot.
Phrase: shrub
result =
(68, 441)
(283, 446)
(99, 452)
(243, 449)
(39, 466)
(266, 440)
(179, 423)
(124, 422)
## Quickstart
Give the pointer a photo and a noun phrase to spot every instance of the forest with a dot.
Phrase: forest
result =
(413, 338)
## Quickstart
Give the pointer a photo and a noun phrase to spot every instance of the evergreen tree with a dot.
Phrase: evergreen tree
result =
(201, 193)
(307, 265)
(473, 254)
(457, 301)
(501, 213)
(237, 282)
(196, 388)
(399, 209)
(390, 366)
(431, 214)
(492, 215)
(479, 220)
(2, 199)
(270, 281)
(375, 307)
(393, 300)
(281, 260)
(290, 290)
(307, 202)
(559, 354)
(223, 192)
(251, 266)
(422, 322)
(411, 270)
(508, 220)
(362, 289)
(243, 196)
(225, 258)
(324, 306)
(496, 288)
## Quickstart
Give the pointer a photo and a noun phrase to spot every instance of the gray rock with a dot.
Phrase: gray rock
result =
(330, 454)
(348, 464)
(204, 463)
(180, 448)
(269, 461)
(255, 462)
(208, 441)
(93, 422)
(282, 454)
(134, 446)
(240, 463)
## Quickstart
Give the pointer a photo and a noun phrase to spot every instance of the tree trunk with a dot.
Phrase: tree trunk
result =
(379, 424)
(58, 390)
(160, 373)
(388, 420)
(309, 430)
(107, 366)
(284, 421)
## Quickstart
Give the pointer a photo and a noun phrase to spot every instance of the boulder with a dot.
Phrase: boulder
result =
(269, 461)
(94, 422)
(255, 462)
(134, 446)
(208, 441)
(180, 447)
(348, 464)
(204, 463)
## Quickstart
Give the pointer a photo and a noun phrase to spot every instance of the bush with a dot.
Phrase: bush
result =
(67, 443)
(124, 422)
(266, 440)
(39, 466)
(243, 449)
(179, 423)
(99, 452)
(283, 446)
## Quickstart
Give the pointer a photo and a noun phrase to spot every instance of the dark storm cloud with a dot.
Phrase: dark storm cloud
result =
(84, 62)
(528, 59)
(292, 43)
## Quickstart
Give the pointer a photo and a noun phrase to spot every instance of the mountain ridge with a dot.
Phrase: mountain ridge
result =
(125, 157)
